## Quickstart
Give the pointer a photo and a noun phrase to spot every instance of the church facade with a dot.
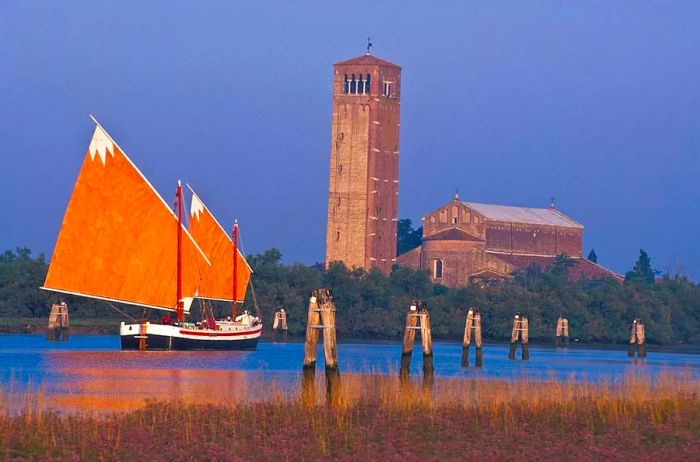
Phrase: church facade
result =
(467, 242)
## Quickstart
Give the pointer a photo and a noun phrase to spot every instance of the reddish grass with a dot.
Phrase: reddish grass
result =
(381, 420)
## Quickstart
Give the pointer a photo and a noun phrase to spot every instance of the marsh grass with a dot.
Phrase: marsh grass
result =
(379, 418)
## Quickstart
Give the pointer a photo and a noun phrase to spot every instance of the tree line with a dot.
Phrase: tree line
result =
(373, 305)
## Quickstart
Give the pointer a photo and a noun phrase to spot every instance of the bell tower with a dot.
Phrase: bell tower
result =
(364, 167)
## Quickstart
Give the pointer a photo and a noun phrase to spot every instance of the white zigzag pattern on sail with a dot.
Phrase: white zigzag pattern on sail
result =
(196, 207)
(100, 144)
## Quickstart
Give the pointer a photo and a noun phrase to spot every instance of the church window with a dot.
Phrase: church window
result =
(360, 84)
(340, 168)
(337, 235)
(386, 89)
(346, 85)
(476, 219)
(455, 220)
(432, 218)
(437, 268)
(353, 85)
(367, 82)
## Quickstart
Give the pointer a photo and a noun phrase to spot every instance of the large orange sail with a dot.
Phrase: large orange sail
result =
(118, 240)
(217, 283)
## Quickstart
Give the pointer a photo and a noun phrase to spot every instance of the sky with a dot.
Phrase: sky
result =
(594, 103)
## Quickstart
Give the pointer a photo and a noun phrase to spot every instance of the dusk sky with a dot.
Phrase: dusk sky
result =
(595, 103)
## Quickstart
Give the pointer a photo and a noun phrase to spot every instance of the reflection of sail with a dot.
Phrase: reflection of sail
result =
(217, 246)
(118, 239)
(123, 389)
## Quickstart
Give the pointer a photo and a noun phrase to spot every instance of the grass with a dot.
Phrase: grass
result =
(377, 418)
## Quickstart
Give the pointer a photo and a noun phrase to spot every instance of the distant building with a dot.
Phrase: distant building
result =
(465, 242)
(364, 166)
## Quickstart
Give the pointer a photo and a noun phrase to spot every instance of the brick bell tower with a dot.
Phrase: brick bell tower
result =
(364, 170)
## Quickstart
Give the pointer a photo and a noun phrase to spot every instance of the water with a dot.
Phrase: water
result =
(91, 368)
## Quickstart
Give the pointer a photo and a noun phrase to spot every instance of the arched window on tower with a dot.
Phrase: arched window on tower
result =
(367, 84)
(353, 85)
(437, 268)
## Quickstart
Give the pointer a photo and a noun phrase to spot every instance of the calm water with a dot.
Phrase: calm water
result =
(91, 366)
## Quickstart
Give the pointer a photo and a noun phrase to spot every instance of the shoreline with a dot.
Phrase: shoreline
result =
(111, 328)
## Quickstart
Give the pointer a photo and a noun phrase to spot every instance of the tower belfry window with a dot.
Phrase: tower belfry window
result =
(346, 85)
(386, 89)
(353, 85)
(360, 84)
(367, 86)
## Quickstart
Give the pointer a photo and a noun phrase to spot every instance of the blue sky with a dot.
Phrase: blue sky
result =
(596, 103)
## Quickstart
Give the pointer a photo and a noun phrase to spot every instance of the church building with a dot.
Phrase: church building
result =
(466, 242)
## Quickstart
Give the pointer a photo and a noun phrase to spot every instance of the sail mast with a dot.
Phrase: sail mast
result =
(179, 253)
(235, 268)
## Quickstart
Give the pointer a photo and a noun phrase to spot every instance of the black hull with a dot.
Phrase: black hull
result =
(162, 342)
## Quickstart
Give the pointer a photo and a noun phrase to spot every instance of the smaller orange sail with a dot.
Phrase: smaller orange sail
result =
(217, 280)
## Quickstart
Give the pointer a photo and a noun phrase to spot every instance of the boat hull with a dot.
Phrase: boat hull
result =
(168, 337)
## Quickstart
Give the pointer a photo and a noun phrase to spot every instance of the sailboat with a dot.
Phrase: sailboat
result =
(120, 242)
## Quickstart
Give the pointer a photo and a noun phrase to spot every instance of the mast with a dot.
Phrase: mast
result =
(235, 269)
(180, 316)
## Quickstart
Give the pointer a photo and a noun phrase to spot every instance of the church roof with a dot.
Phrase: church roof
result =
(549, 216)
(366, 60)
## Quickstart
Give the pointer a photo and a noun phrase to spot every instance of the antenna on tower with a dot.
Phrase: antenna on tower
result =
(369, 44)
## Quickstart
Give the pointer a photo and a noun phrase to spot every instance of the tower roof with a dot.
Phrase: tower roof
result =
(366, 60)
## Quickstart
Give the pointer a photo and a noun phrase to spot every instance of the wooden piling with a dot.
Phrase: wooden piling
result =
(313, 322)
(562, 333)
(279, 325)
(321, 316)
(637, 339)
(418, 318)
(426, 336)
(519, 334)
(472, 324)
(525, 336)
(409, 338)
(58, 327)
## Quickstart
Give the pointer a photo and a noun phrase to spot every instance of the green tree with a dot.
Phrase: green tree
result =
(642, 271)
(592, 256)
(407, 238)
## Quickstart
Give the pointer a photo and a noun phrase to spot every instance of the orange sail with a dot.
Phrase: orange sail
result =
(118, 240)
(217, 283)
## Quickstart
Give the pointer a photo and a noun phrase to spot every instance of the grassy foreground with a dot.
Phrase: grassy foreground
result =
(380, 419)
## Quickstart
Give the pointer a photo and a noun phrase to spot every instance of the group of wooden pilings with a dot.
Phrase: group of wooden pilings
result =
(417, 319)
(279, 325)
(472, 327)
(637, 338)
(321, 317)
(58, 327)
(520, 334)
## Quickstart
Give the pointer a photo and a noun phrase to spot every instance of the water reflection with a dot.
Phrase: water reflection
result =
(89, 372)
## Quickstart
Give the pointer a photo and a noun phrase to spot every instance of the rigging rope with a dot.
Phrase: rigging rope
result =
(258, 313)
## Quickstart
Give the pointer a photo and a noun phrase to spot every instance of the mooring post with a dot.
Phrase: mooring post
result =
(524, 335)
(515, 333)
(143, 334)
(426, 337)
(409, 338)
(477, 339)
(637, 339)
(279, 326)
(58, 327)
(467, 337)
(308, 372)
(562, 333)
(641, 337)
(472, 324)
(330, 348)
